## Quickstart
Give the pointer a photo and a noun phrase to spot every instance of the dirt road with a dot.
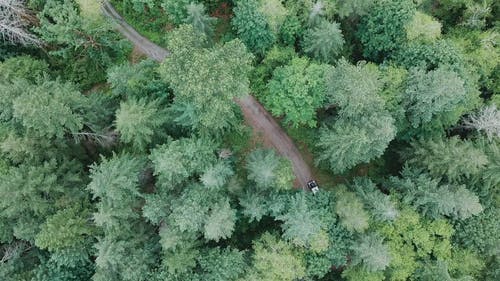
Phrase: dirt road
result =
(263, 124)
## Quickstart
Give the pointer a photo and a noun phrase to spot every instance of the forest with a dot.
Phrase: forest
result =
(121, 165)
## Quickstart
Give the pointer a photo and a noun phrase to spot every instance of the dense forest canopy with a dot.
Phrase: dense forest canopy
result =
(116, 167)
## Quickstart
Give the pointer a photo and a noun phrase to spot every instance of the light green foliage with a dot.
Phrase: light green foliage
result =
(358, 273)
(82, 48)
(452, 157)
(363, 128)
(324, 42)
(216, 176)
(254, 206)
(435, 200)
(380, 205)
(350, 211)
(138, 121)
(222, 264)
(197, 211)
(394, 83)
(274, 259)
(411, 239)
(176, 9)
(22, 67)
(274, 12)
(50, 109)
(179, 249)
(465, 262)
(302, 223)
(371, 253)
(115, 182)
(176, 160)
(423, 28)
(434, 94)
(206, 79)
(68, 228)
(277, 56)
(480, 54)
(127, 258)
(296, 91)
(438, 271)
(268, 170)
(476, 14)
(382, 30)
(354, 89)
(220, 222)
(252, 26)
(197, 17)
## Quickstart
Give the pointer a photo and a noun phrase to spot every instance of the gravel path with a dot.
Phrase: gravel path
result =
(263, 124)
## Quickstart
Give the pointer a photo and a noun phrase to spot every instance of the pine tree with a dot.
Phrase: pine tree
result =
(324, 42)
(371, 253)
(452, 157)
(201, 22)
(380, 205)
(138, 122)
(350, 211)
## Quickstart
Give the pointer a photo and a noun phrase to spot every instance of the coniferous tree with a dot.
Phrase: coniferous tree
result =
(138, 122)
(380, 205)
(324, 42)
(371, 253)
(454, 158)
(201, 22)
(252, 27)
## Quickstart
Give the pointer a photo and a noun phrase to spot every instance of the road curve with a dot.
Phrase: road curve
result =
(263, 124)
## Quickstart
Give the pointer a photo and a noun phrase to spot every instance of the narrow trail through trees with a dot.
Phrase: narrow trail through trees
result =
(263, 124)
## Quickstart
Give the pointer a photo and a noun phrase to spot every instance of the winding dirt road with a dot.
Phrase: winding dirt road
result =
(264, 125)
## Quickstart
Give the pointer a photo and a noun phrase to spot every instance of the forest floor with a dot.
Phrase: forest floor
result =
(263, 124)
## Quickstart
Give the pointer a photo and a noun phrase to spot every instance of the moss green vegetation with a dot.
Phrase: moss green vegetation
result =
(146, 171)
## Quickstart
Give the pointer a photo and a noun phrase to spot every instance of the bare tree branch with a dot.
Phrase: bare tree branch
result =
(14, 19)
(487, 120)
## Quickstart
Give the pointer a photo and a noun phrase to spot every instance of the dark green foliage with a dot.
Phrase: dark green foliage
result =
(479, 233)
(83, 50)
(382, 30)
(435, 200)
(252, 27)
(453, 158)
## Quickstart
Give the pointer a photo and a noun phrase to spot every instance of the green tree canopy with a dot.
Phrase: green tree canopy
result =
(324, 42)
(206, 80)
(296, 91)
(252, 26)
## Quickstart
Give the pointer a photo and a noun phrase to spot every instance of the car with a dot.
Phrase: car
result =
(313, 186)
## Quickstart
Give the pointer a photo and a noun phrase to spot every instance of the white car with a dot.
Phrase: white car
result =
(313, 186)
